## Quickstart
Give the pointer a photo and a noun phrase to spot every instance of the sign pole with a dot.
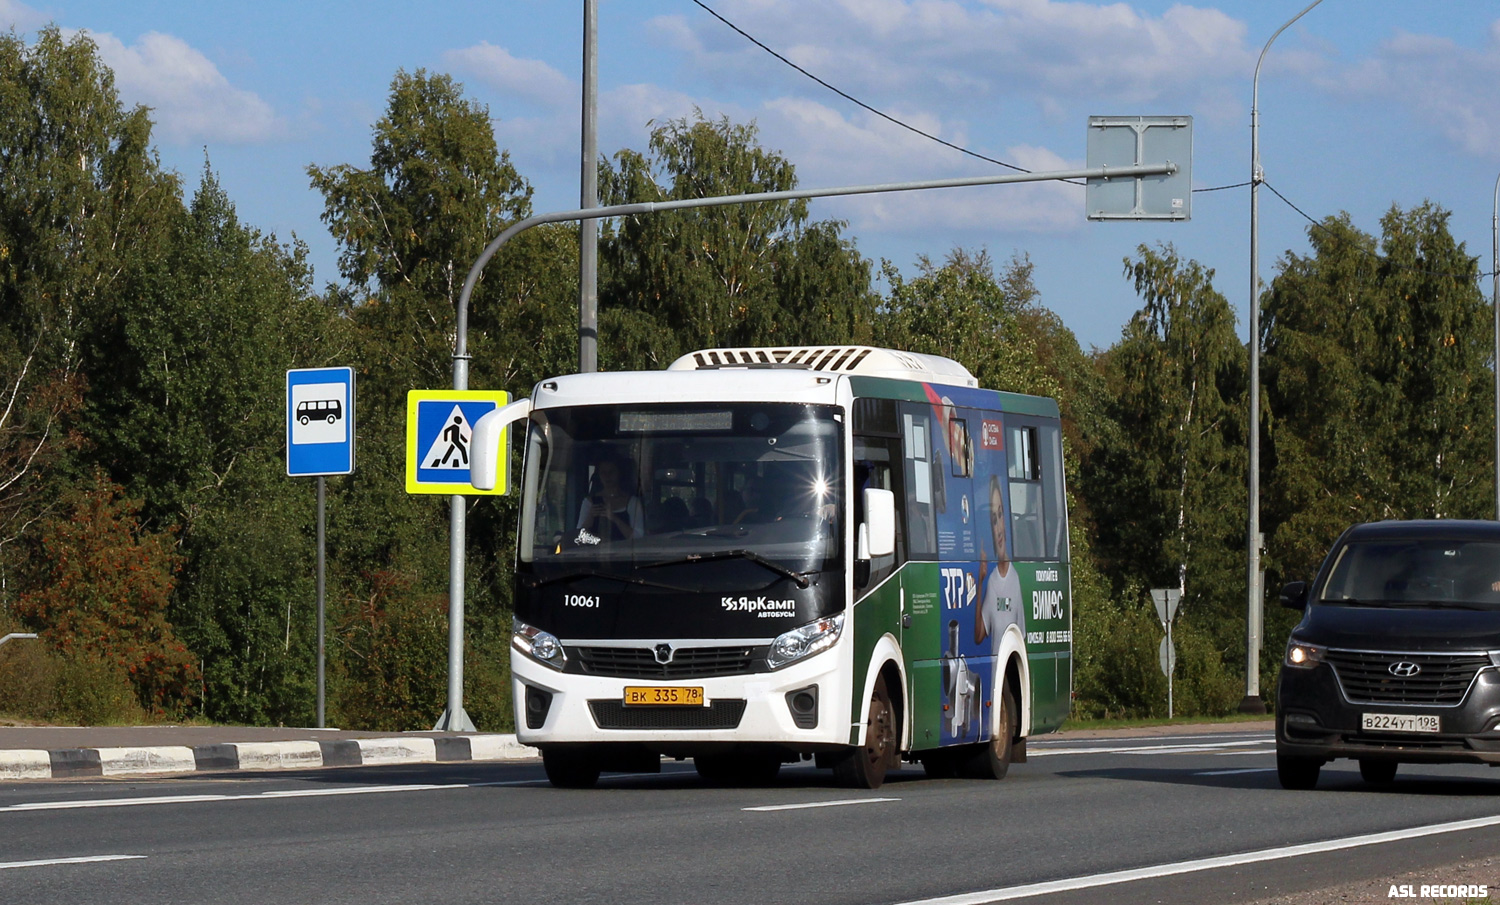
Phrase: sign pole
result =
(1171, 667)
(319, 442)
(322, 525)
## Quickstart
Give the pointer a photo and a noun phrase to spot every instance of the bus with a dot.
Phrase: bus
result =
(758, 556)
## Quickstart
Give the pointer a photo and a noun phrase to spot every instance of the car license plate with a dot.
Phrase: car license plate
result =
(1398, 722)
(668, 696)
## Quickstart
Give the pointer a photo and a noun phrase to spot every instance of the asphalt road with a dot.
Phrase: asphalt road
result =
(1053, 832)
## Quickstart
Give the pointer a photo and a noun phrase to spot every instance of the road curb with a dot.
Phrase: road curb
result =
(68, 763)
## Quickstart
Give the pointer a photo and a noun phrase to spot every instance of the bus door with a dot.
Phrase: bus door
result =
(1038, 531)
(924, 622)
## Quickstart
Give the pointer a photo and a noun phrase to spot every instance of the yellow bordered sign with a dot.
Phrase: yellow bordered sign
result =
(439, 429)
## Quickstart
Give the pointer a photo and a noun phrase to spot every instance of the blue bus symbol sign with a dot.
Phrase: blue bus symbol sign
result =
(319, 422)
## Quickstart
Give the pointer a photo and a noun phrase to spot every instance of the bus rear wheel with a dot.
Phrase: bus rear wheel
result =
(992, 760)
(570, 768)
(864, 767)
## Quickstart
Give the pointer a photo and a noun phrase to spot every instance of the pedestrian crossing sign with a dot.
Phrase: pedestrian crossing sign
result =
(439, 427)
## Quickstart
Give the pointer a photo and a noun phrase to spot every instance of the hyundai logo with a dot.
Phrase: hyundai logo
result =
(1405, 669)
(664, 654)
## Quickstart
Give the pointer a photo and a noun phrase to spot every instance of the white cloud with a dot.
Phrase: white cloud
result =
(530, 80)
(190, 99)
(19, 16)
(948, 55)
(1453, 89)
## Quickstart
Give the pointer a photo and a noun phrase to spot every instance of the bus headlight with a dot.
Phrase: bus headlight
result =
(1303, 656)
(540, 646)
(805, 640)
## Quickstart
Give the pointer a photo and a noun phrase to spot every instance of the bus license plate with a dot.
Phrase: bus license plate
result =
(659, 696)
(1399, 722)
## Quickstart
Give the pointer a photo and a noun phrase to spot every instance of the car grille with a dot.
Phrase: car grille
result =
(687, 662)
(721, 714)
(1442, 679)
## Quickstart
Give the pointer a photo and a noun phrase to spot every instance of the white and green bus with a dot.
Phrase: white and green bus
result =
(758, 556)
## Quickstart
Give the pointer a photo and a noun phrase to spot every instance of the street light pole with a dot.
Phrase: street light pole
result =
(588, 196)
(1255, 542)
(1495, 300)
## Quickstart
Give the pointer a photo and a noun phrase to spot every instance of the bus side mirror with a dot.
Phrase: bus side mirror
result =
(487, 449)
(1294, 595)
(880, 520)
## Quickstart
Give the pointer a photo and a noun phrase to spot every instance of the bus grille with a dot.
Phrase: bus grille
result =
(1442, 679)
(722, 714)
(687, 662)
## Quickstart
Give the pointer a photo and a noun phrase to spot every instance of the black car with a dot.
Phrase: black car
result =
(1397, 656)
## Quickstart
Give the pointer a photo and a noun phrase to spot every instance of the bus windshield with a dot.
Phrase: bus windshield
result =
(640, 487)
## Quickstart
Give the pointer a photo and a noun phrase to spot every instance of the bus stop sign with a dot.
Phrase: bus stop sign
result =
(319, 422)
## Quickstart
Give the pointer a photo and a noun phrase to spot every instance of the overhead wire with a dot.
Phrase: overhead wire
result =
(1364, 251)
(975, 154)
(886, 116)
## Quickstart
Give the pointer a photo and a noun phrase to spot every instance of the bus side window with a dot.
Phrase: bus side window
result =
(1024, 470)
(1054, 492)
(920, 519)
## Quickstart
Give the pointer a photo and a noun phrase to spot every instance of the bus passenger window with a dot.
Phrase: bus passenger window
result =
(1053, 492)
(1026, 516)
(920, 518)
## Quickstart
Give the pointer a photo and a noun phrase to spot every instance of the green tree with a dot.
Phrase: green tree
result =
(81, 203)
(1378, 383)
(1165, 482)
(1169, 489)
(191, 419)
(960, 310)
(739, 275)
(410, 225)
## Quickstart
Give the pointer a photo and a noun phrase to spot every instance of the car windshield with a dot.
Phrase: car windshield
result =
(1412, 572)
(680, 493)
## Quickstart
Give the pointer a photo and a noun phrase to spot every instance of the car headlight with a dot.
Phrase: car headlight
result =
(1301, 655)
(540, 646)
(805, 640)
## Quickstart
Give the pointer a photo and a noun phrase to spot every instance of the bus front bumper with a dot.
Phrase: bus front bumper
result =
(801, 707)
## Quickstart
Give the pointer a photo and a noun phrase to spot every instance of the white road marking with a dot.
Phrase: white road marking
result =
(93, 859)
(1202, 864)
(1152, 749)
(195, 799)
(819, 804)
(1233, 772)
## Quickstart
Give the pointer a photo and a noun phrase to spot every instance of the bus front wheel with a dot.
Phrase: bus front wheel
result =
(569, 768)
(864, 767)
(992, 760)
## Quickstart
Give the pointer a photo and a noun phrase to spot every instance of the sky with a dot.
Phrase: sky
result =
(1364, 104)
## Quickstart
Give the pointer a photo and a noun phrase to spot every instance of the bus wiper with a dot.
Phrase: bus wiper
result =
(609, 576)
(800, 578)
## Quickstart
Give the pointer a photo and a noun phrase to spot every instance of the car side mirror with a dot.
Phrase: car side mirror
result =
(1294, 595)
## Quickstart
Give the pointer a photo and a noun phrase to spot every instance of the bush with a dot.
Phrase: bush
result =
(28, 680)
(94, 692)
(38, 684)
